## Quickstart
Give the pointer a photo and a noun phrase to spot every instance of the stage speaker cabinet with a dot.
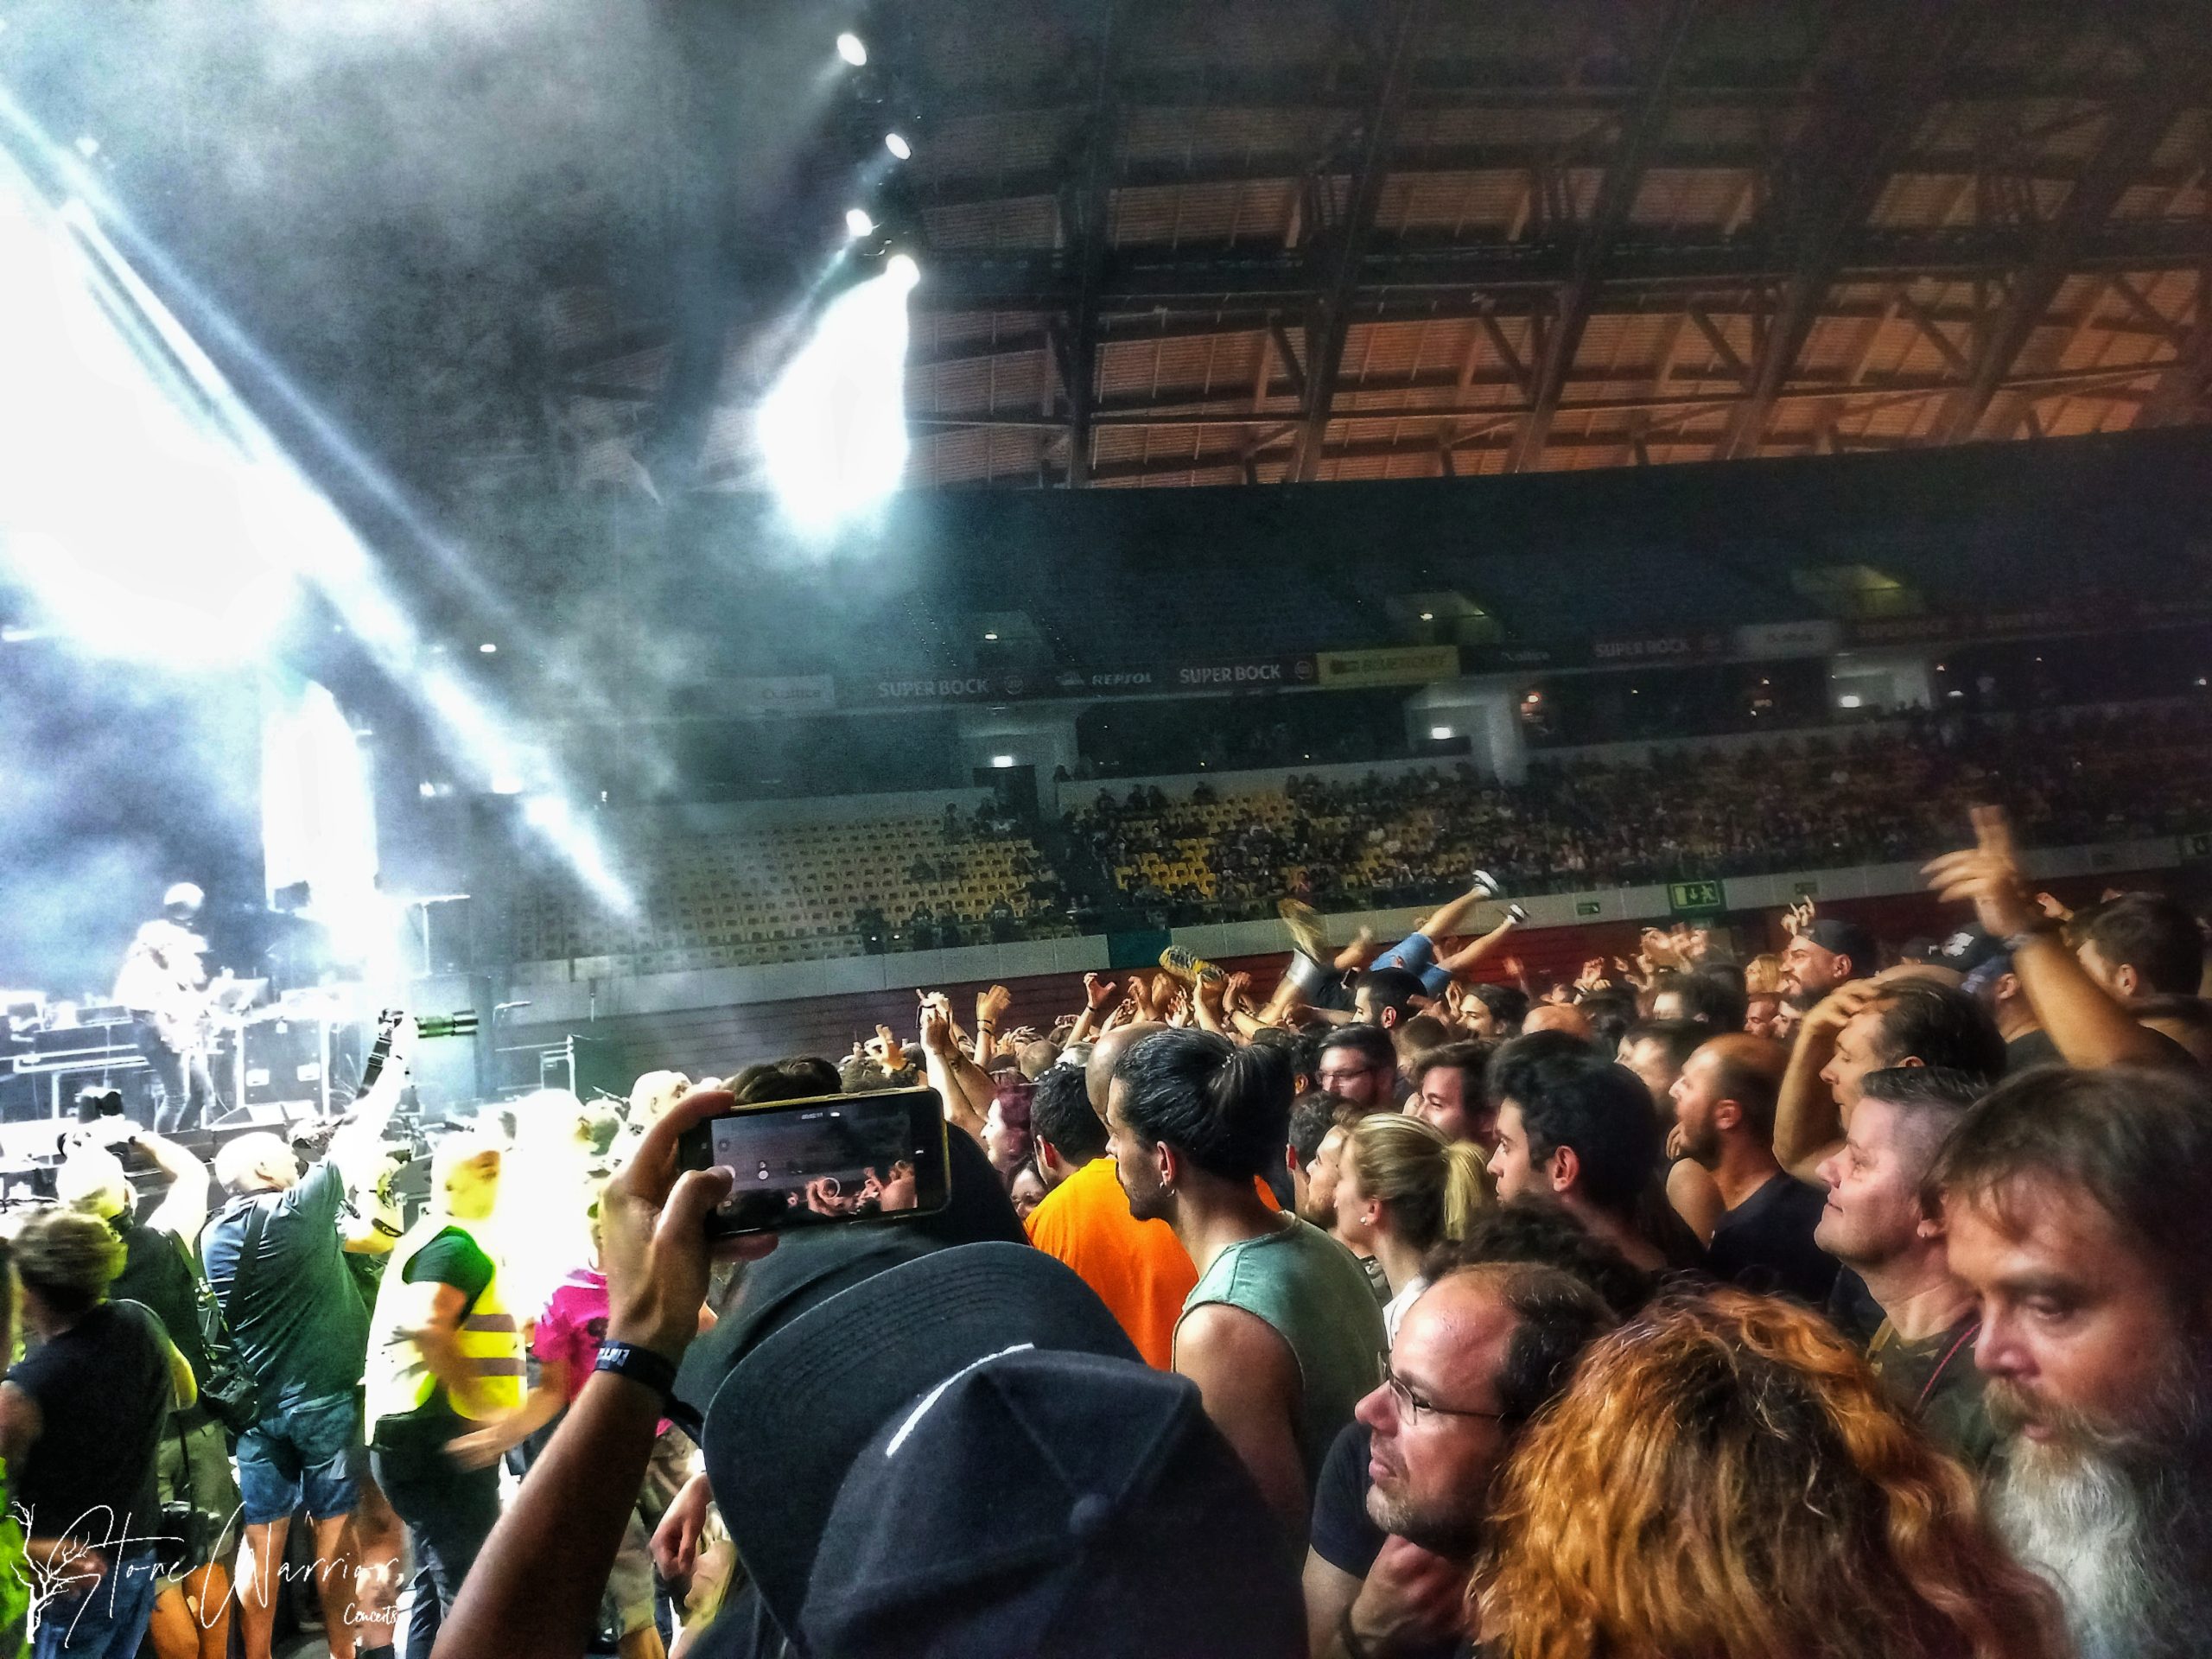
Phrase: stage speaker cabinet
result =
(284, 1064)
(448, 1072)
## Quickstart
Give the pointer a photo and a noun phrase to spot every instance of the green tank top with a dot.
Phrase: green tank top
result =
(1310, 1289)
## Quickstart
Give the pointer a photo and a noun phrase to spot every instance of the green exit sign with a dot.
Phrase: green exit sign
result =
(1586, 907)
(1688, 897)
(2197, 846)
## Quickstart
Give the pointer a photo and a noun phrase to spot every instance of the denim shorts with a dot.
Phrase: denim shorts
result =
(310, 1453)
(1416, 954)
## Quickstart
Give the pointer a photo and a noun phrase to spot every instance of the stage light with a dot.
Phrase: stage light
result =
(897, 144)
(832, 431)
(1002, 761)
(1428, 616)
(88, 146)
(1440, 734)
(857, 222)
(990, 636)
(489, 649)
(851, 50)
(1850, 700)
(187, 565)
(902, 271)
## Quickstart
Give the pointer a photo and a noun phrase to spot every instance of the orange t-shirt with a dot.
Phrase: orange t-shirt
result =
(1139, 1268)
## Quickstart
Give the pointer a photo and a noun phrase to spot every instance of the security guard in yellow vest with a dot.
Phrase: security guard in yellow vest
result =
(446, 1360)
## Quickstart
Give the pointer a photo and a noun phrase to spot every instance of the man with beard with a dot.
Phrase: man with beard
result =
(1824, 955)
(2079, 1208)
(1407, 1488)
(1724, 1113)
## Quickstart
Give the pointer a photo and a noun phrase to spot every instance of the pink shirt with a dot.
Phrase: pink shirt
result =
(574, 1323)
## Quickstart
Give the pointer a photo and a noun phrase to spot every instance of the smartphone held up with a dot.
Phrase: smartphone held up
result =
(807, 1163)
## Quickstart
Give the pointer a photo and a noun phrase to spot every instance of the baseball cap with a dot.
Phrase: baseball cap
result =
(1845, 939)
(1968, 950)
(1027, 1482)
(1049, 1502)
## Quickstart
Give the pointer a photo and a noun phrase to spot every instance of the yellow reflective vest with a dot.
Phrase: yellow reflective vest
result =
(490, 1340)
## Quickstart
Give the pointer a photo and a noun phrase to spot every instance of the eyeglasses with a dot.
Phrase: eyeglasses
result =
(1411, 1406)
(1347, 1073)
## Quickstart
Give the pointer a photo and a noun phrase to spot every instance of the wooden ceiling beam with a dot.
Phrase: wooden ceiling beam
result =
(1641, 131)
(1330, 323)
(2138, 123)
(1861, 126)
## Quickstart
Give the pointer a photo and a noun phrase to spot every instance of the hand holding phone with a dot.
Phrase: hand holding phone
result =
(654, 1243)
(802, 1163)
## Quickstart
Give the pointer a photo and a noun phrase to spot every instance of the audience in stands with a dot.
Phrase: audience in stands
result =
(1949, 1401)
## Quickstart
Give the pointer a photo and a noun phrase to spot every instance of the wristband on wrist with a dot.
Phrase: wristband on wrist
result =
(2045, 929)
(1353, 1647)
(656, 1371)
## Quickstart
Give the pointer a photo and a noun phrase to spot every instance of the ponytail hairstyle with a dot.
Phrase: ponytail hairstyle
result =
(1434, 1186)
(1227, 1108)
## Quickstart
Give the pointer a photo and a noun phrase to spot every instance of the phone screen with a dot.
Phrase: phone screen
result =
(842, 1158)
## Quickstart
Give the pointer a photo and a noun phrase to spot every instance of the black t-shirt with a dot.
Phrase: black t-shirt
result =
(157, 1275)
(1852, 1310)
(1765, 1244)
(103, 1389)
(1343, 1534)
(2029, 1051)
(451, 1258)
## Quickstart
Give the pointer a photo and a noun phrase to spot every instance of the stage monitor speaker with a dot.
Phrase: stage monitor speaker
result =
(261, 1115)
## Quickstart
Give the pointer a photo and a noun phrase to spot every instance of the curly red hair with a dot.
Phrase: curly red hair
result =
(1724, 1479)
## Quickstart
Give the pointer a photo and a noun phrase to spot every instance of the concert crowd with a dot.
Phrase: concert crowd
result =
(1853, 1298)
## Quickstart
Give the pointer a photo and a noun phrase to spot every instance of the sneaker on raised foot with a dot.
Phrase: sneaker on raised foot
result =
(1486, 884)
(1187, 968)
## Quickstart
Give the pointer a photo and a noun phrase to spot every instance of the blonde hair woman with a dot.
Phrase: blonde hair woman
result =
(1404, 1189)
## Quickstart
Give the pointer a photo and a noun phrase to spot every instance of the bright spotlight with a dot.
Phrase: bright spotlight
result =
(833, 429)
(857, 221)
(88, 146)
(1003, 762)
(1440, 733)
(900, 268)
(851, 50)
(897, 144)
(187, 566)
(489, 649)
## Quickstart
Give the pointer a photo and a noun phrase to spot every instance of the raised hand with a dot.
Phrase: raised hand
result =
(1988, 877)
(1097, 992)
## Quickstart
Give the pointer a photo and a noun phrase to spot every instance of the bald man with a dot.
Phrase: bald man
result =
(1724, 1113)
(1558, 1016)
(1139, 1269)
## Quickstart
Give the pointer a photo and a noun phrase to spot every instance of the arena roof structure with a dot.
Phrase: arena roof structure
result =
(1170, 243)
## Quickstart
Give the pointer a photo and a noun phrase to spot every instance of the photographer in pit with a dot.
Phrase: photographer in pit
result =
(275, 1260)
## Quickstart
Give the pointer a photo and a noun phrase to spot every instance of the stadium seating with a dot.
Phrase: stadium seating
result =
(787, 893)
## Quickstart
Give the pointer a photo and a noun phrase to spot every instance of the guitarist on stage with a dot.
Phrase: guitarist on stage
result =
(163, 982)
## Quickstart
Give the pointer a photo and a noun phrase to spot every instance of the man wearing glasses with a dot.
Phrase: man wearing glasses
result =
(1404, 1494)
(1359, 1068)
